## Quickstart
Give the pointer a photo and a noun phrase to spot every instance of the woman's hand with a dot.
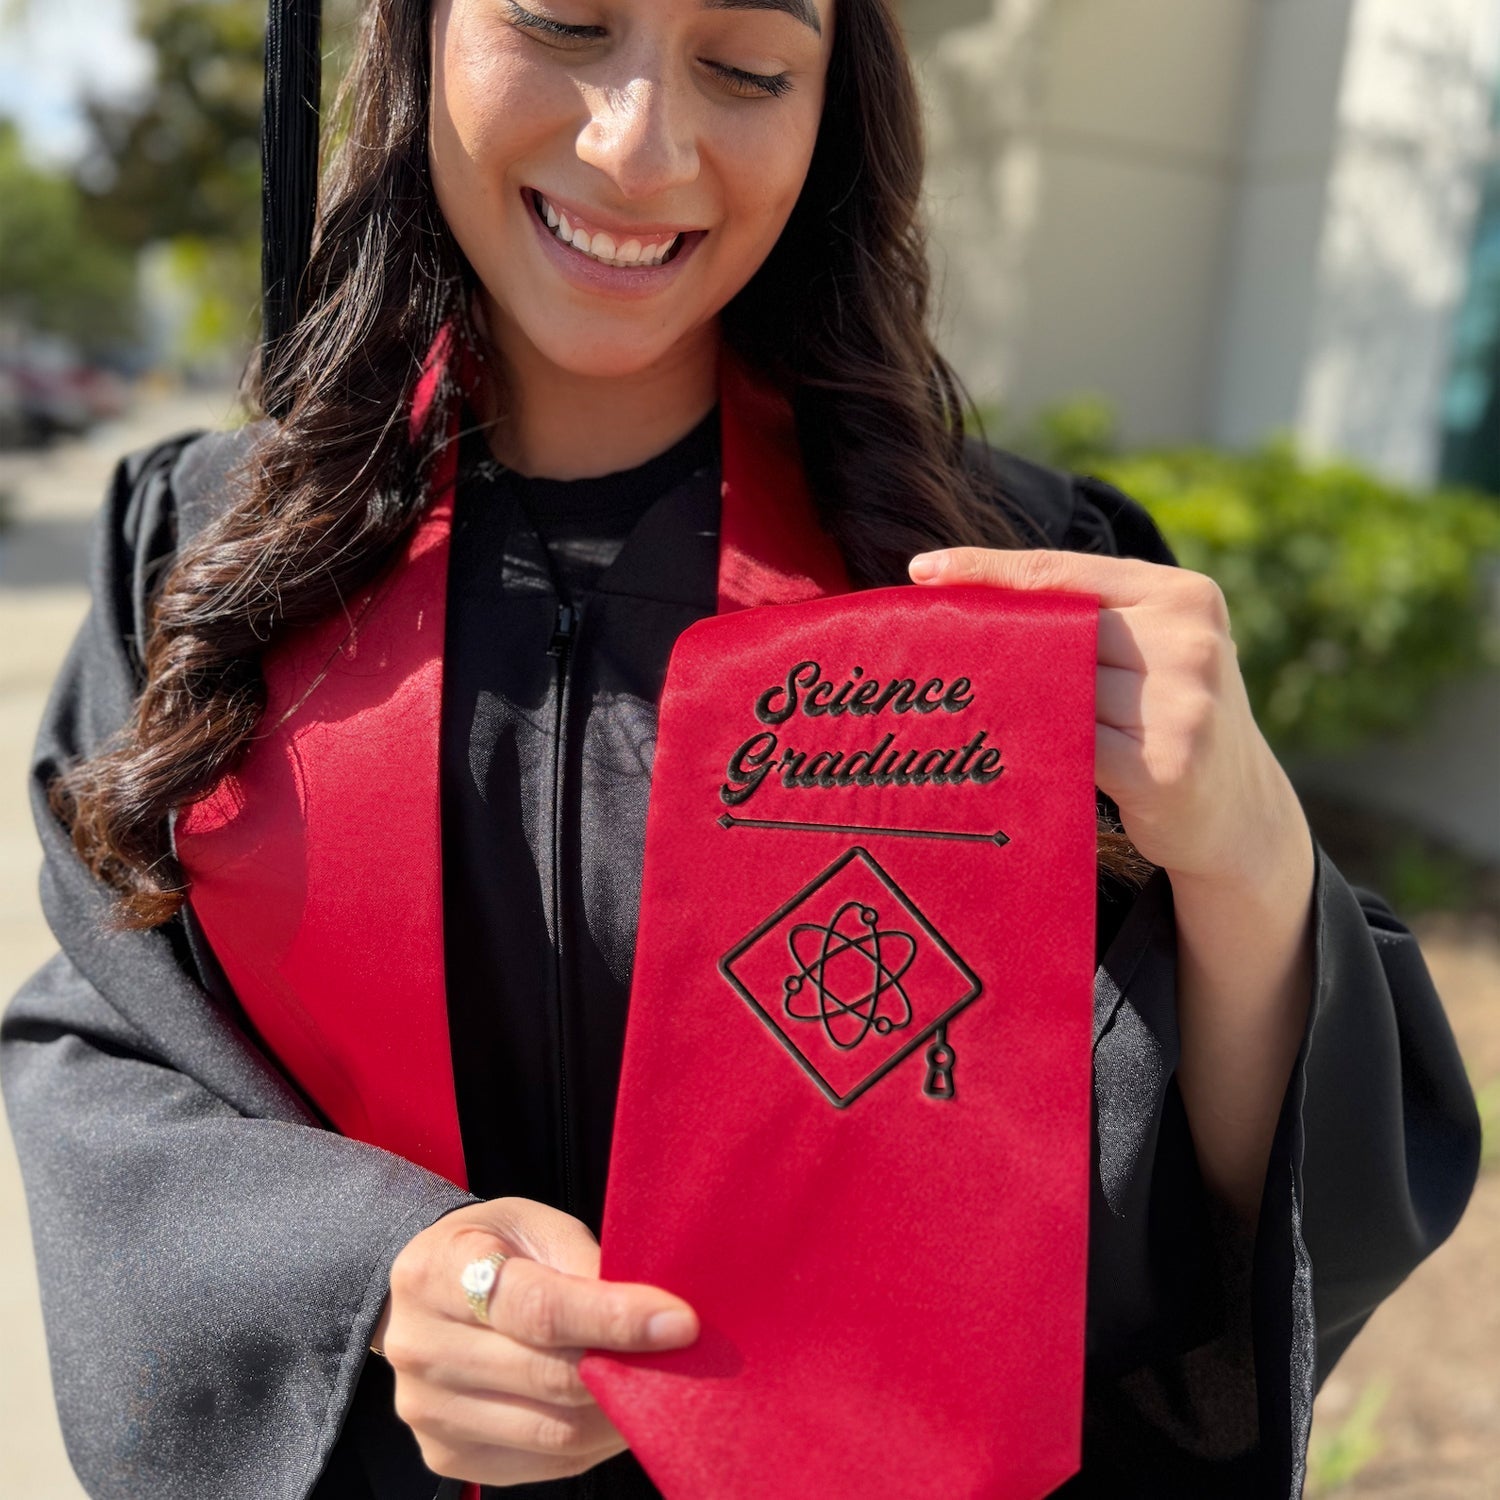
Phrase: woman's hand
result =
(1200, 793)
(1177, 748)
(504, 1404)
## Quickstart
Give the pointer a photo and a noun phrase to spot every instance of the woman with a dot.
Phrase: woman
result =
(591, 205)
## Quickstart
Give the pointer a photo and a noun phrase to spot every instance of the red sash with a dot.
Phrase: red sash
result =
(315, 869)
(852, 1123)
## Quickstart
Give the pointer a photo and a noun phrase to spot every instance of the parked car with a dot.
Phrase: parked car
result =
(48, 391)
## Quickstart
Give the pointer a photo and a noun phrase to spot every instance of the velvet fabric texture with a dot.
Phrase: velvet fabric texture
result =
(853, 1123)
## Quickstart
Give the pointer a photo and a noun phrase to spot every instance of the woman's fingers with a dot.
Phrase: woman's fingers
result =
(1121, 641)
(504, 1441)
(535, 1303)
(478, 1464)
(1120, 699)
(541, 1232)
(480, 1420)
(475, 1361)
(491, 1390)
(538, 1304)
(1118, 581)
(549, 1309)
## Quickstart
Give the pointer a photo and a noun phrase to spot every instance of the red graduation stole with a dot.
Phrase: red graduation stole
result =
(852, 1127)
(853, 1124)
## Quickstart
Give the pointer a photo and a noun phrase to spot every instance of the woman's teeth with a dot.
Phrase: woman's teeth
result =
(602, 246)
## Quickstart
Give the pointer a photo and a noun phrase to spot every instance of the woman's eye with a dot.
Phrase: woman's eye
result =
(739, 80)
(742, 82)
(548, 29)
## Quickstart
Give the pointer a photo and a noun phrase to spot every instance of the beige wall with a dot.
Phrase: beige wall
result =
(1414, 117)
(1362, 168)
(1229, 216)
(1272, 286)
(981, 69)
(1082, 191)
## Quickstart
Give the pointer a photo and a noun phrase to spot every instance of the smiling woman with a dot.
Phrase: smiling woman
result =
(676, 139)
(616, 318)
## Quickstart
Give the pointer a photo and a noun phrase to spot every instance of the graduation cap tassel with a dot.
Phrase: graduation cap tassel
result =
(289, 172)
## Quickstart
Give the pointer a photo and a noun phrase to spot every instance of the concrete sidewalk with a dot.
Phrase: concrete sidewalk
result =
(43, 558)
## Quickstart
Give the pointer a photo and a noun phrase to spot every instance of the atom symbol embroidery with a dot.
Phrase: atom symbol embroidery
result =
(870, 980)
(863, 954)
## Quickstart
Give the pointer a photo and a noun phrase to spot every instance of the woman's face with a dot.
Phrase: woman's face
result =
(668, 138)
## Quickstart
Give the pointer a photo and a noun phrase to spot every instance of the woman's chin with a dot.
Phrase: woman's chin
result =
(628, 354)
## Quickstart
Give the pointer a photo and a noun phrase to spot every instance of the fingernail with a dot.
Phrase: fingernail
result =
(670, 1327)
(926, 565)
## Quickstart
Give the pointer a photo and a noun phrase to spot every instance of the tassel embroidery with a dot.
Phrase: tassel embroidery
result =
(940, 1060)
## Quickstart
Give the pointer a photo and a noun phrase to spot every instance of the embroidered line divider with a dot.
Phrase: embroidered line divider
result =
(998, 838)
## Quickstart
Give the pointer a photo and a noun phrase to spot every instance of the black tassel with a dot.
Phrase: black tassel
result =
(289, 173)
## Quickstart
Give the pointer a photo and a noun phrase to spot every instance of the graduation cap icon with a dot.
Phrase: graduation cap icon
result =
(851, 977)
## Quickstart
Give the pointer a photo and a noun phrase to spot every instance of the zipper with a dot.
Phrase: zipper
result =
(560, 649)
(561, 645)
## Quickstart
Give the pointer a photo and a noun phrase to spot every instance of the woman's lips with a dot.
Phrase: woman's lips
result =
(634, 264)
(614, 244)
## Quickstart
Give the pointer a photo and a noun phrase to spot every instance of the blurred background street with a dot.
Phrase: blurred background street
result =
(51, 497)
(1240, 257)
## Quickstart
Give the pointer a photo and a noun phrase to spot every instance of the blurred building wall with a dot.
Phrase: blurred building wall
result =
(1096, 142)
(1391, 202)
(1228, 216)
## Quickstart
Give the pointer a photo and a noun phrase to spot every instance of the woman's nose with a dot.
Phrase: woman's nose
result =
(641, 137)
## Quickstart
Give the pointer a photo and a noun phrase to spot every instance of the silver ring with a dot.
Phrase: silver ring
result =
(478, 1281)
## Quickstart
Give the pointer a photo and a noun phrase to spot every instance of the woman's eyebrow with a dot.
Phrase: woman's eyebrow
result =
(801, 10)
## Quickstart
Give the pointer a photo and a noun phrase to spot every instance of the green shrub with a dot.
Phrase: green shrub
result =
(1351, 599)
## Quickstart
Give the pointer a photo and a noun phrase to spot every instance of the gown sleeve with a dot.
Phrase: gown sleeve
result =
(1205, 1348)
(212, 1260)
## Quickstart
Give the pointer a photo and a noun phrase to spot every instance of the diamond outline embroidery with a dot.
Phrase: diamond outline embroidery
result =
(976, 985)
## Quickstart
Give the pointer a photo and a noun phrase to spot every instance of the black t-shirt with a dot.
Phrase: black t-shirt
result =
(563, 600)
(584, 522)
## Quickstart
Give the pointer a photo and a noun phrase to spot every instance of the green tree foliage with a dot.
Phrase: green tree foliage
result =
(184, 160)
(56, 274)
(1351, 599)
(181, 163)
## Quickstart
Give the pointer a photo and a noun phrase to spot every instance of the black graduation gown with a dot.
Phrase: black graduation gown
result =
(212, 1259)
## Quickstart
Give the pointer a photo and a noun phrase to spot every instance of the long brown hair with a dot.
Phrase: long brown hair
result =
(837, 316)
